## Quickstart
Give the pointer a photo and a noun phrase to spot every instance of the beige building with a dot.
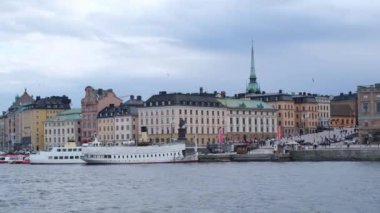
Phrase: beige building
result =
(369, 113)
(62, 128)
(344, 110)
(203, 114)
(117, 124)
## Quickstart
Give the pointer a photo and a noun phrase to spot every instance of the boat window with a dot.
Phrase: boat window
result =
(69, 150)
(66, 157)
(60, 157)
(119, 156)
(155, 155)
(55, 157)
(123, 156)
(74, 150)
(79, 150)
(50, 157)
(151, 155)
(76, 157)
(63, 150)
(159, 155)
(127, 156)
(139, 156)
(71, 157)
(58, 150)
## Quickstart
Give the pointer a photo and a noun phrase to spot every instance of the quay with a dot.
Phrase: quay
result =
(332, 153)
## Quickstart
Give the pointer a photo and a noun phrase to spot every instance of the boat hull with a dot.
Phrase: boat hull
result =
(168, 153)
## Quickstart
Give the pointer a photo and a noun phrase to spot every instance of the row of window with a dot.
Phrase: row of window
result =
(69, 150)
(111, 120)
(63, 157)
(55, 123)
(59, 131)
(250, 129)
(110, 128)
(250, 121)
(111, 137)
(134, 156)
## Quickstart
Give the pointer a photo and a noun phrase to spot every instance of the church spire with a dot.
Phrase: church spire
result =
(253, 72)
(253, 86)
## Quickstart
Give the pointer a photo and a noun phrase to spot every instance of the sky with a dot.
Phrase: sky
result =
(141, 47)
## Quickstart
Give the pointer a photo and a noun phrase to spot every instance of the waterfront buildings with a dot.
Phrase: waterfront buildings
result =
(35, 115)
(369, 113)
(205, 115)
(323, 103)
(118, 123)
(94, 101)
(306, 111)
(13, 126)
(63, 127)
(3, 145)
(285, 106)
(247, 119)
(344, 110)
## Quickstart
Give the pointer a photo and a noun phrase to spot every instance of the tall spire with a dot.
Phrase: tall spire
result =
(253, 72)
(253, 86)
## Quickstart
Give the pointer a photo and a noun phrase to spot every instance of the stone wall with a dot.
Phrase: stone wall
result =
(347, 154)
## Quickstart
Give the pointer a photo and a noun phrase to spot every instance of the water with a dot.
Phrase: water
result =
(206, 187)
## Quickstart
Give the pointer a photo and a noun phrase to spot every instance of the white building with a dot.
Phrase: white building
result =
(64, 127)
(323, 111)
(249, 119)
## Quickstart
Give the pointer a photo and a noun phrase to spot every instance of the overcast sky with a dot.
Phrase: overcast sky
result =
(143, 47)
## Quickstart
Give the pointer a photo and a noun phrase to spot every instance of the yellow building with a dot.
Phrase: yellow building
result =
(35, 115)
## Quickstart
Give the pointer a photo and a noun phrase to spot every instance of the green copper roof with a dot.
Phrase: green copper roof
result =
(67, 115)
(243, 103)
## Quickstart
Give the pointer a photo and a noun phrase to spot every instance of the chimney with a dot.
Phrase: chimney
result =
(304, 93)
(300, 93)
(132, 97)
(200, 90)
(350, 93)
(139, 97)
(341, 94)
(215, 92)
(280, 91)
(38, 98)
(162, 93)
(223, 94)
(112, 105)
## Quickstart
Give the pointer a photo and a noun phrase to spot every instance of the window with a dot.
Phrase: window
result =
(365, 107)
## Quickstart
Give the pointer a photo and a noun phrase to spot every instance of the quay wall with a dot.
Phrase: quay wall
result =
(347, 154)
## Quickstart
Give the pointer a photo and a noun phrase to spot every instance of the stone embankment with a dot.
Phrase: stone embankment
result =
(335, 154)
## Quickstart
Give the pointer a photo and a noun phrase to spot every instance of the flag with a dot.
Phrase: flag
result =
(220, 136)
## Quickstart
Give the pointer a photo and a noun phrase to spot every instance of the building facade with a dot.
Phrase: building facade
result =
(203, 115)
(64, 127)
(35, 115)
(323, 111)
(3, 145)
(248, 120)
(117, 124)
(94, 101)
(369, 113)
(306, 113)
(344, 110)
(13, 127)
(285, 106)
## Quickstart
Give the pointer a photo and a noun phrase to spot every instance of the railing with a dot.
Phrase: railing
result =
(341, 147)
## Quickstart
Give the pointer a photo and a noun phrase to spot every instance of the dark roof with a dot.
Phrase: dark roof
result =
(304, 99)
(341, 110)
(164, 99)
(271, 97)
(53, 102)
(114, 111)
(345, 97)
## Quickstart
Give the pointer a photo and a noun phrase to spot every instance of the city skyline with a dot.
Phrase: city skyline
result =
(142, 47)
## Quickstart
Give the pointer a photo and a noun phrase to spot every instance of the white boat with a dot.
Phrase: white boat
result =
(121, 153)
(69, 154)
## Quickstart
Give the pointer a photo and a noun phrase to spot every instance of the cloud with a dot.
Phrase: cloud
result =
(59, 47)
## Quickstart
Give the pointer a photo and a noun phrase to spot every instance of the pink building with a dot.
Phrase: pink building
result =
(94, 101)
